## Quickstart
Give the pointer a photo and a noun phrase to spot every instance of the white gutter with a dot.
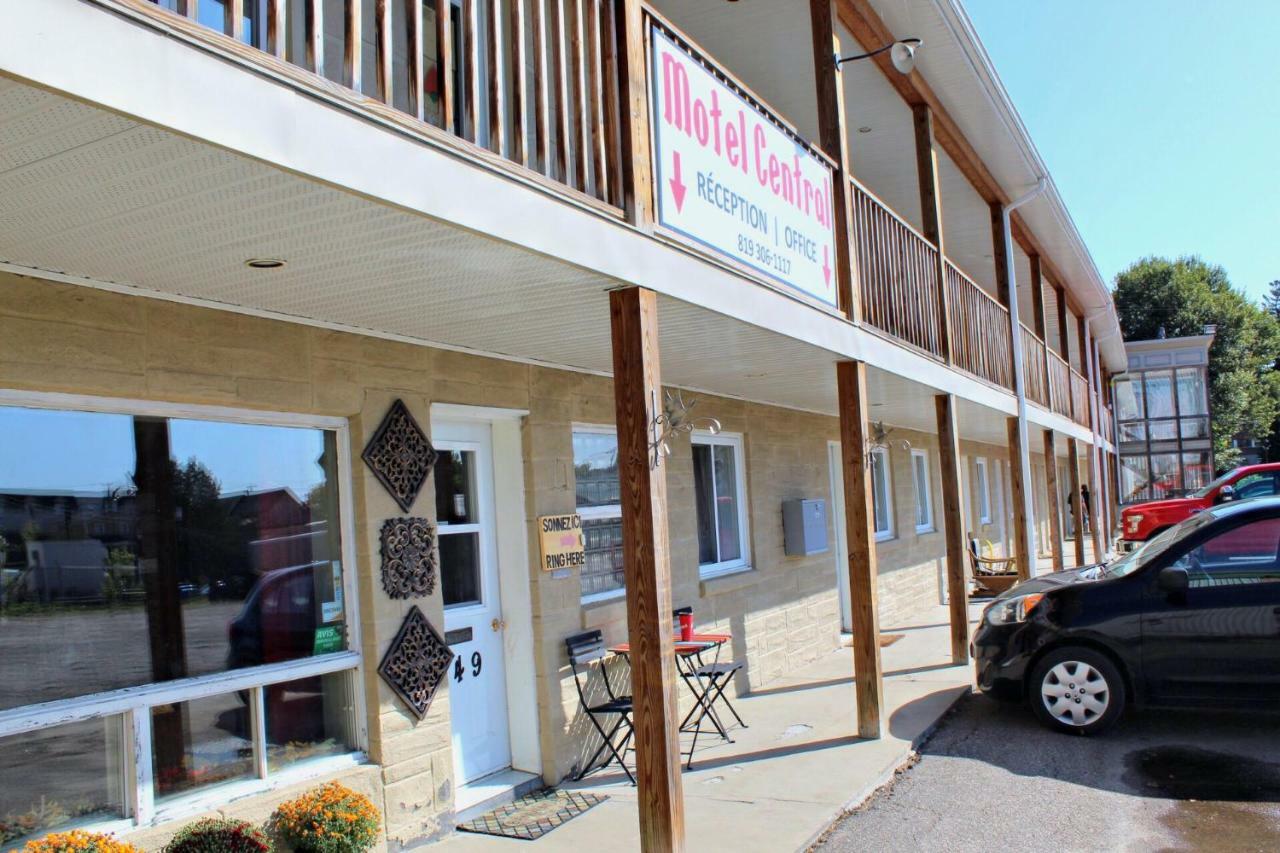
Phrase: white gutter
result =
(1019, 379)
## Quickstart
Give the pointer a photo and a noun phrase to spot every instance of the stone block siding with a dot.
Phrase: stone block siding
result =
(783, 612)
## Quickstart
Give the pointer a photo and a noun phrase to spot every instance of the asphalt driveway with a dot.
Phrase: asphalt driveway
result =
(991, 778)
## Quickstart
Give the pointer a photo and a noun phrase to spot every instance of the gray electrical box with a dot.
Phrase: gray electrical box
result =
(804, 527)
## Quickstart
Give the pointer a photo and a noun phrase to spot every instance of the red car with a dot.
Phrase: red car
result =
(1140, 522)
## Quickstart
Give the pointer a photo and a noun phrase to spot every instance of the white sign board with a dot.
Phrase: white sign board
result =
(730, 179)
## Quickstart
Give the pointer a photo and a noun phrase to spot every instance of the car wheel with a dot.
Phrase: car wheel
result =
(1077, 690)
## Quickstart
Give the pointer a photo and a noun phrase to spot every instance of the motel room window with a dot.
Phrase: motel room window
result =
(924, 494)
(881, 494)
(595, 471)
(168, 580)
(721, 503)
(982, 487)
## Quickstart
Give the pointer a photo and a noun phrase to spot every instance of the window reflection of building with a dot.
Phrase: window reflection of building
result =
(1162, 416)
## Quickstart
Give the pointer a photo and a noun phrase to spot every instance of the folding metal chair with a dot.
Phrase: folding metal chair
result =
(707, 682)
(585, 649)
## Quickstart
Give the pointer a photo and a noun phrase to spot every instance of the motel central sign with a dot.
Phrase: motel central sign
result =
(729, 178)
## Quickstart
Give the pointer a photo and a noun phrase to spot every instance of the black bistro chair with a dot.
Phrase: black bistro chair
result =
(707, 682)
(585, 649)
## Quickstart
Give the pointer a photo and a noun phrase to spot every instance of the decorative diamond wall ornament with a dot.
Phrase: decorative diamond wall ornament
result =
(416, 662)
(409, 559)
(400, 455)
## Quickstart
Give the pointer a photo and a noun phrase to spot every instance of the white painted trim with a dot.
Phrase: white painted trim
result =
(927, 492)
(163, 409)
(737, 442)
(514, 577)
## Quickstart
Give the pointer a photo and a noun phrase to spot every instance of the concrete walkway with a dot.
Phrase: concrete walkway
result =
(795, 770)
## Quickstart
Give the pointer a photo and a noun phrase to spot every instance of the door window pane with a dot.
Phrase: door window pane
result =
(201, 742)
(1159, 394)
(1192, 399)
(455, 473)
(141, 549)
(309, 718)
(58, 777)
(460, 568)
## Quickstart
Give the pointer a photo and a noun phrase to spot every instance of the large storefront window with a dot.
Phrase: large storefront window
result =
(1163, 430)
(139, 551)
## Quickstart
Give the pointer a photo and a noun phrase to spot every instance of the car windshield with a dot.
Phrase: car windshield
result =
(1155, 546)
(1204, 492)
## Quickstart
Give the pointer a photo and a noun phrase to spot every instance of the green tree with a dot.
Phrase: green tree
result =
(1183, 296)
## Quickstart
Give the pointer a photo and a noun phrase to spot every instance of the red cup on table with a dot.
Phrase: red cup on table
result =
(686, 627)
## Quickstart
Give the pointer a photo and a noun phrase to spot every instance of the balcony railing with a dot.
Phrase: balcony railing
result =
(898, 273)
(1079, 399)
(980, 340)
(1059, 384)
(1033, 367)
(529, 84)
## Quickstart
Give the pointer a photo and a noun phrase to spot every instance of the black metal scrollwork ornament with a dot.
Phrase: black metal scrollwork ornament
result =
(400, 455)
(416, 663)
(409, 561)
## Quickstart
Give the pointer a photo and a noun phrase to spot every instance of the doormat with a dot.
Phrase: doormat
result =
(890, 639)
(529, 818)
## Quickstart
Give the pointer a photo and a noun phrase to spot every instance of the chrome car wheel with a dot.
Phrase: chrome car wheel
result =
(1074, 693)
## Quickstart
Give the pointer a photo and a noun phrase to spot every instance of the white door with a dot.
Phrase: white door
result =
(473, 607)
(842, 541)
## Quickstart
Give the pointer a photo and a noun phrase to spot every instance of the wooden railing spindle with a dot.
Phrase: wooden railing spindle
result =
(382, 52)
(413, 63)
(233, 19)
(496, 80)
(277, 28)
(583, 111)
(613, 138)
(520, 84)
(444, 66)
(599, 161)
(314, 25)
(564, 133)
(352, 44)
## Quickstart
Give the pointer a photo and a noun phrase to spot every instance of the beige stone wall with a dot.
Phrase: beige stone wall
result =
(783, 613)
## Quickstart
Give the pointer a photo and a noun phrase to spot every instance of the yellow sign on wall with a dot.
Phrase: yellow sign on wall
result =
(561, 540)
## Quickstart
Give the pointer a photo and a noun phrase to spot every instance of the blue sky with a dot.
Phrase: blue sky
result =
(1159, 121)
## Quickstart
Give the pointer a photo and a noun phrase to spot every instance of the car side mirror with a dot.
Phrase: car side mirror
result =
(1173, 579)
(1226, 493)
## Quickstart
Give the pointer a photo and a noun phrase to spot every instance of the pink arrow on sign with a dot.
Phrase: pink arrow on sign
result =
(826, 267)
(677, 186)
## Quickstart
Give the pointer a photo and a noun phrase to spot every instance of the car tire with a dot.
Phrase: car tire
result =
(1077, 690)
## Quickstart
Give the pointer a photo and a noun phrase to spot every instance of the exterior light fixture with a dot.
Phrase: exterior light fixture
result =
(879, 440)
(264, 263)
(902, 53)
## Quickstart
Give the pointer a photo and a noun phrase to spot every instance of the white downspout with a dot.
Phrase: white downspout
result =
(1019, 380)
(1095, 454)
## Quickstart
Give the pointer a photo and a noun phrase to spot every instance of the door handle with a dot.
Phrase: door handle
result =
(497, 624)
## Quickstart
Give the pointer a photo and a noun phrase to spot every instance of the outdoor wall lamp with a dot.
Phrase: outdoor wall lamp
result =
(878, 439)
(902, 53)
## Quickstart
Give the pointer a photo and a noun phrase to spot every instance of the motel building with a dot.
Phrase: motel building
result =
(355, 355)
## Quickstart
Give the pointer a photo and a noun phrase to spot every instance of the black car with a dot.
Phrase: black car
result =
(1190, 618)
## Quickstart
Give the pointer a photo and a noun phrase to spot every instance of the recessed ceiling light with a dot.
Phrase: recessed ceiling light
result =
(264, 263)
(864, 129)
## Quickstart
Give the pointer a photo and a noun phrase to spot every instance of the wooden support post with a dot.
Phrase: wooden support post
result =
(953, 526)
(1037, 298)
(1054, 503)
(637, 170)
(851, 386)
(834, 139)
(1018, 494)
(999, 256)
(931, 217)
(1096, 492)
(444, 66)
(353, 41)
(637, 388)
(1077, 512)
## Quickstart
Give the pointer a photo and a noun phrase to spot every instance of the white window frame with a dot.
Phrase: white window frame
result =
(735, 441)
(133, 704)
(595, 513)
(982, 483)
(924, 495)
(882, 491)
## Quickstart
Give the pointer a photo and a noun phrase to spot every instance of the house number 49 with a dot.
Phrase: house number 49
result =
(459, 670)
